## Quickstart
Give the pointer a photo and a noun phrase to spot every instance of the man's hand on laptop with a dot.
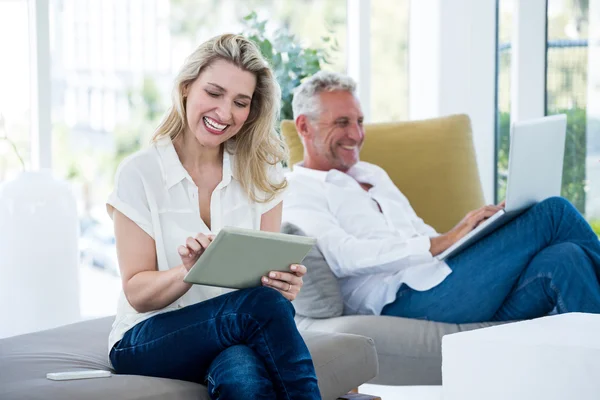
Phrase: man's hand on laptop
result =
(469, 222)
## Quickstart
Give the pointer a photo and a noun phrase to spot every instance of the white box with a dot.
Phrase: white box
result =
(550, 358)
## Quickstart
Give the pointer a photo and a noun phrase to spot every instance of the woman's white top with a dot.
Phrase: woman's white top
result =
(153, 189)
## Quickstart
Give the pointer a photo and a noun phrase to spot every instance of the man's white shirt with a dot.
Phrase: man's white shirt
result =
(371, 252)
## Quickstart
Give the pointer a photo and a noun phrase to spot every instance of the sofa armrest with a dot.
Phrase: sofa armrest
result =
(342, 361)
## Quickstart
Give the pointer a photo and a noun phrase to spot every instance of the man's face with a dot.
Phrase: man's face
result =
(334, 139)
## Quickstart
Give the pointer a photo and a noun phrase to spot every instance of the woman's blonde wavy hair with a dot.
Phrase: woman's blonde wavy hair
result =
(257, 145)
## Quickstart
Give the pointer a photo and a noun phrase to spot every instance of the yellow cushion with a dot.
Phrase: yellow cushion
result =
(431, 161)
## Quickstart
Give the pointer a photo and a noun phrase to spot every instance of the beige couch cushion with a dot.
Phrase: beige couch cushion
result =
(342, 362)
(432, 162)
(321, 296)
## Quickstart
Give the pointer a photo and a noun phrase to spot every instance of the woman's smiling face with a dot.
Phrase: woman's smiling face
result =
(218, 102)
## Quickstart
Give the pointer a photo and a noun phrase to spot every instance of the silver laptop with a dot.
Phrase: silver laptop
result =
(535, 164)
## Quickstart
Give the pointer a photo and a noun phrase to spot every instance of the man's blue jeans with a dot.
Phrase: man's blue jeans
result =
(244, 345)
(548, 258)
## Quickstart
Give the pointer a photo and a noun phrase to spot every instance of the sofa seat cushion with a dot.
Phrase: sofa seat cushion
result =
(409, 350)
(25, 360)
(342, 362)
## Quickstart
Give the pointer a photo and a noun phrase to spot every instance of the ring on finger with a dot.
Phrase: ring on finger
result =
(289, 287)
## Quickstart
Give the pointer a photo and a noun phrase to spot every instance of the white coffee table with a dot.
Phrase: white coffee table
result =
(550, 358)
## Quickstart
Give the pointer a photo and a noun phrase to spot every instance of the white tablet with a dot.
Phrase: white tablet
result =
(238, 258)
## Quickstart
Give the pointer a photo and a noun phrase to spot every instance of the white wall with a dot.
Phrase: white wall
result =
(424, 59)
(452, 70)
(358, 61)
(528, 68)
(41, 127)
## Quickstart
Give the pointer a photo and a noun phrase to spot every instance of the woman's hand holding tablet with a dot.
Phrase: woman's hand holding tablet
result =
(286, 283)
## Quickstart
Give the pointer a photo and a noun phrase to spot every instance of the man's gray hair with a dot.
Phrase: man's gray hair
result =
(306, 101)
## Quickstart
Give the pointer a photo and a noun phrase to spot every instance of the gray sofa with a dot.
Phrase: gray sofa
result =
(342, 361)
(409, 350)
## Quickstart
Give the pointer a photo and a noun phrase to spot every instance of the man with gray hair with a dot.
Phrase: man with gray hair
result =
(324, 94)
(384, 255)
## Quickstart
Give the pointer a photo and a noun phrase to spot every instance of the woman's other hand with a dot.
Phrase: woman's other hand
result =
(288, 284)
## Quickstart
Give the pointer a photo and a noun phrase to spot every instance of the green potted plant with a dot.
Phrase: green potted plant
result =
(291, 62)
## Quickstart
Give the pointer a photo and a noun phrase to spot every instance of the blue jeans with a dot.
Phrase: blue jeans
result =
(546, 259)
(244, 345)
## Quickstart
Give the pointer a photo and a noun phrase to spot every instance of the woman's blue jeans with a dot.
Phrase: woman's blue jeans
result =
(243, 345)
(546, 259)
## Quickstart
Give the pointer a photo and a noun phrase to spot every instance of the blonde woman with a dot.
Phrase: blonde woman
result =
(213, 163)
